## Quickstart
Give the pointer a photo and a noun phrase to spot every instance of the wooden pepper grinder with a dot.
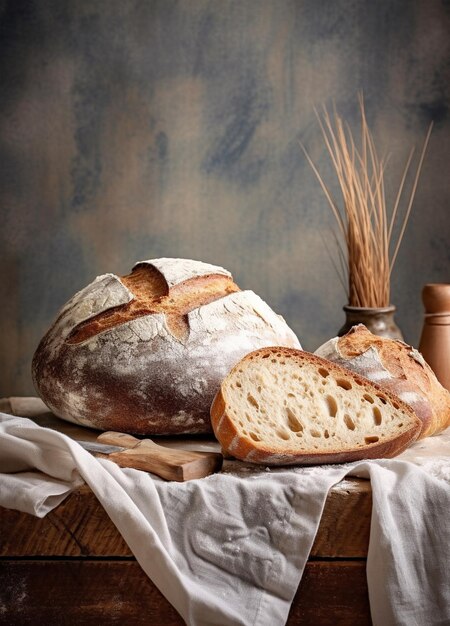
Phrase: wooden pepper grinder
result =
(435, 339)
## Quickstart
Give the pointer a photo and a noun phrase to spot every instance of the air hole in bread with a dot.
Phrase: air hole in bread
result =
(332, 406)
(344, 383)
(377, 416)
(315, 433)
(265, 356)
(349, 422)
(293, 422)
(252, 400)
(238, 384)
(255, 437)
(368, 398)
(326, 434)
(396, 405)
(371, 439)
(323, 372)
(383, 399)
(283, 434)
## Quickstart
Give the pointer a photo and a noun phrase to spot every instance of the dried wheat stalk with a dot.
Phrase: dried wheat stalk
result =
(364, 223)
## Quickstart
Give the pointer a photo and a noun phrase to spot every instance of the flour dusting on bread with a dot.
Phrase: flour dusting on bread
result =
(146, 353)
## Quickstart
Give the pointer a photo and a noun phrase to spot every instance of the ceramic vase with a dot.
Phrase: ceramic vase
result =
(380, 321)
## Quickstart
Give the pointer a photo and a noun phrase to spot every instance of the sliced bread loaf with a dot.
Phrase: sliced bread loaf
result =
(397, 367)
(282, 406)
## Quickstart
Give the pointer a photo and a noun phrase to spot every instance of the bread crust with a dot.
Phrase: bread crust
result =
(397, 367)
(156, 372)
(241, 447)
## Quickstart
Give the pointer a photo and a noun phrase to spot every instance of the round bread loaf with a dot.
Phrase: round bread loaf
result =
(397, 367)
(145, 353)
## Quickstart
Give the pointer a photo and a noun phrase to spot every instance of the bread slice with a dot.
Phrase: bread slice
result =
(282, 406)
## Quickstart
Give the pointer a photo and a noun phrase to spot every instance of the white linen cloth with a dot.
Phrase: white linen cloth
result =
(230, 549)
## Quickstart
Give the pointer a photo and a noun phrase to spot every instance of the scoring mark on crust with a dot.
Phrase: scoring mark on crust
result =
(151, 296)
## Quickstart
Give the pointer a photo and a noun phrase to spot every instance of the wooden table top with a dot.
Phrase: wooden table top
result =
(74, 562)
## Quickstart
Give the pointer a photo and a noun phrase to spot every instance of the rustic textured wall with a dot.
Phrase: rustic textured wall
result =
(148, 128)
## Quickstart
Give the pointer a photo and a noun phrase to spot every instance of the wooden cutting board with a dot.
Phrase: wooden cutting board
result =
(172, 458)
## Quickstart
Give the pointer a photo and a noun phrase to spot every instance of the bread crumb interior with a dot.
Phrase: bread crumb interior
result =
(292, 405)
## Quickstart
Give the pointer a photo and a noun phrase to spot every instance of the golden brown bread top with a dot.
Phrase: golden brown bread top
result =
(394, 355)
(152, 295)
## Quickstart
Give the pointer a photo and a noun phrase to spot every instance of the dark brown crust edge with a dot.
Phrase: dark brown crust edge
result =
(225, 430)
